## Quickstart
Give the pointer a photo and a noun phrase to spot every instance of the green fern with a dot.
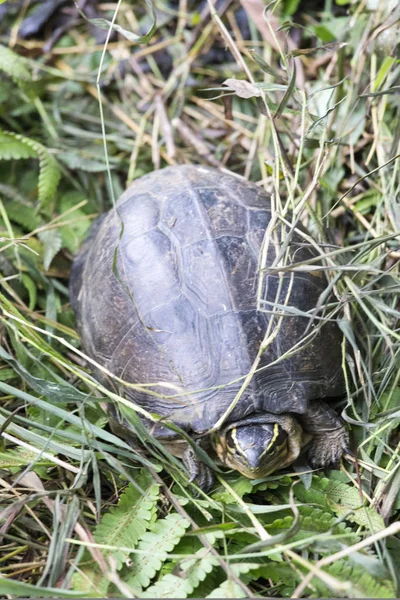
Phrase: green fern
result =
(14, 65)
(22, 214)
(312, 520)
(366, 585)
(342, 499)
(155, 545)
(193, 572)
(14, 146)
(170, 586)
(122, 526)
(125, 524)
(228, 589)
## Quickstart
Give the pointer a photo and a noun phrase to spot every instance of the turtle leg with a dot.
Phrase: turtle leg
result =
(198, 470)
(330, 438)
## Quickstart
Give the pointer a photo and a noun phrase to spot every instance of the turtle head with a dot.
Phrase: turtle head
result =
(253, 449)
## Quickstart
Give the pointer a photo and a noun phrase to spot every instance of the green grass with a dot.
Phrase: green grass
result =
(82, 512)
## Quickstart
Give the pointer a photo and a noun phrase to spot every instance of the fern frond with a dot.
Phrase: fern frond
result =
(14, 65)
(14, 146)
(366, 585)
(155, 544)
(313, 520)
(122, 526)
(341, 498)
(193, 572)
(49, 175)
(125, 524)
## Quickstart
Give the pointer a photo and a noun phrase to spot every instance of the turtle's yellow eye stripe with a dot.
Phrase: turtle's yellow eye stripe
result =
(273, 439)
(235, 441)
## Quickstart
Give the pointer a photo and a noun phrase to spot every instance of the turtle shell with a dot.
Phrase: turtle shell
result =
(168, 289)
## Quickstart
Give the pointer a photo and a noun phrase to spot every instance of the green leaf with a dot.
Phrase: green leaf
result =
(14, 146)
(324, 34)
(290, 7)
(228, 589)
(170, 586)
(343, 499)
(30, 286)
(75, 160)
(22, 214)
(156, 544)
(14, 65)
(195, 570)
(122, 526)
(365, 516)
(387, 64)
(263, 65)
(125, 524)
(51, 240)
(288, 94)
(59, 391)
(6, 374)
(20, 458)
(241, 486)
(365, 584)
(74, 232)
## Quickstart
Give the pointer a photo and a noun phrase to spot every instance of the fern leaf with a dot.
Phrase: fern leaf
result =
(12, 148)
(122, 526)
(340, 498)
(195, 570)
(341, 493)
(170, 586)
(155, 545)
(15, 146)
(22, 214)
(228, 589)
(343, 497)
(365, 516)
(49, 174)
(125, 524)
(14, 65)
(312, 520)
(366, 585)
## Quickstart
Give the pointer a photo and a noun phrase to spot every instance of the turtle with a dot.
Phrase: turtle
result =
(189, 285)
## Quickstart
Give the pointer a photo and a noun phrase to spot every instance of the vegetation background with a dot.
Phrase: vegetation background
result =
(302, 97)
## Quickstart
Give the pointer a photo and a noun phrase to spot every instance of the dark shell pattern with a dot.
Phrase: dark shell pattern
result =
(166, 291)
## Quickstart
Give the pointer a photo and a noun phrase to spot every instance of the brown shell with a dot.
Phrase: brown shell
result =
(179, 304)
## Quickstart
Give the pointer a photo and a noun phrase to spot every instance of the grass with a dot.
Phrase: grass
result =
(317, 124)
